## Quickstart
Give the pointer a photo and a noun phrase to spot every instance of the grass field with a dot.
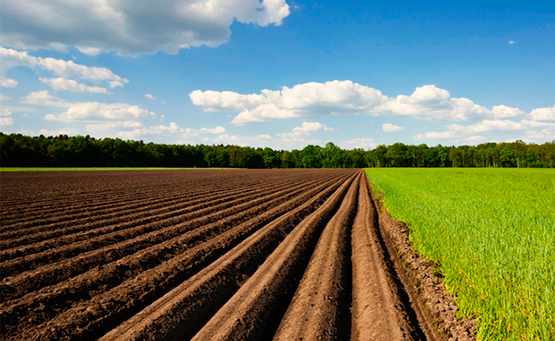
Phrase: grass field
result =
(493, 233)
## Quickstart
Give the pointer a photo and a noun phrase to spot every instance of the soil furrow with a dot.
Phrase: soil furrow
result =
(81, 200)
(161, 245)
(103, 278)
(73, 225)
(32, 224)
(69, 246)
(106, 205)
(85, 321)
(320, 308)
(381, 310)
(260, 303)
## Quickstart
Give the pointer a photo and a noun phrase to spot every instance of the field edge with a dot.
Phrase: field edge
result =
(435, 306)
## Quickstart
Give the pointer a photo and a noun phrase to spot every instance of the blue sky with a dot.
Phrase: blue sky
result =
(280, 73)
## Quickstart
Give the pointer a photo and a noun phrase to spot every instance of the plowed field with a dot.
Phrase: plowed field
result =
(198, 254)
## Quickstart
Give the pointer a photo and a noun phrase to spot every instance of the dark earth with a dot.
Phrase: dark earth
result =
(212, 255)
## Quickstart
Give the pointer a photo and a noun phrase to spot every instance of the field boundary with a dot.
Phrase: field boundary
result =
(435, 307)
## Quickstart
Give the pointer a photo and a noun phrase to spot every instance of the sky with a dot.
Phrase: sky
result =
(280, 73)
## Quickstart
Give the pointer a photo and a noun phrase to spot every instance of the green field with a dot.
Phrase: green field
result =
(493, 233)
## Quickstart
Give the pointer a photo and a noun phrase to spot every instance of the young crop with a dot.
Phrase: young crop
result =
(493, 233)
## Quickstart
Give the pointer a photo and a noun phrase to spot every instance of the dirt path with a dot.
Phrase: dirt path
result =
(201, 255)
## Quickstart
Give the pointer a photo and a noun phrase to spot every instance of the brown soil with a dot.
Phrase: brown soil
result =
(211, 255)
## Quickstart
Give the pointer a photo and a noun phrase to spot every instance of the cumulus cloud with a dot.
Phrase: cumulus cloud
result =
(303, 100)
(344, 98)
(298, 135)
(149, 96)
(131, 27)
(363, 142)
(431, 103)
(436, 135)
(87, 111)
(543, 114)
(72, 85)
(488, 126)
(172, 128)
(391, 128)
(539, 135)
(61, 131)
(65, 69)
(261, 140)
(105, 128)
(308, 127)
(6, 121)
(7, 110)
(44, 99)
(7, 83)
(502, 111)
(89, 51)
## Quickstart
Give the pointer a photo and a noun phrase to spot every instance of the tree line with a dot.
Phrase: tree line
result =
(18, 150)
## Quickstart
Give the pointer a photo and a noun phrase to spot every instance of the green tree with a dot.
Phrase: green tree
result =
(311, 157)
(328, 154)
(210, 159)
(270, 158)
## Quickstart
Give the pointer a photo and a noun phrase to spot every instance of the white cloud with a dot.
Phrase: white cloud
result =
(88, 111)
(7, 110)
(431, 103)
(457, 131)
(115, 84)
(163, 131)
(477, 139)
(44, 99)
(308, 127)
(90, 51)
(95, 111)
(149, 96)
(363, 142)
(502, 111)
(343, 98)
(106, 128)
(391, 128)
(6, 121)
(303, 100)
(261, 140)
(511, 42)
(150, 131)
(543, 114)
(7, 83)
(3, 98)
(217, 130)
(488, 126)
(539, 136)
(131, 27)
(71, 85)
(11, 58)
(436, 135)
(190, 132)
(61, 131)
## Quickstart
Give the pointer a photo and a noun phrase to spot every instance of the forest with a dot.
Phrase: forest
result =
(18, 150)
